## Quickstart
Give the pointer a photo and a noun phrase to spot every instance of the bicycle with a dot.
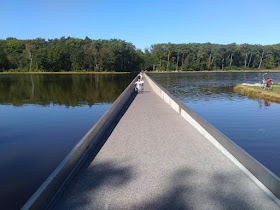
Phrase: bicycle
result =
(262, 84)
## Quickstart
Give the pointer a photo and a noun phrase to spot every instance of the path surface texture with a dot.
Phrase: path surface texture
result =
(152, 158)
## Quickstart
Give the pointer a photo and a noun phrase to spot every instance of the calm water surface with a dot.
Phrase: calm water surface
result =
(252, 124)
(42, 117)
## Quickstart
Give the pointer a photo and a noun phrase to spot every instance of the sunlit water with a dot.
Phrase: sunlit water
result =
(252, 124)
(42, 117)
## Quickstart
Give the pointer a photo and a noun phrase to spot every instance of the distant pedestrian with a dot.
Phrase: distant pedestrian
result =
(140, 75)
(138, 85)
(142, 84)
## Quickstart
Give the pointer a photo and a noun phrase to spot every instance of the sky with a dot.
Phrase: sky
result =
(144, 22)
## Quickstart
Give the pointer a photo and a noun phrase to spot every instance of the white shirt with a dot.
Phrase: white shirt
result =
(138, 84)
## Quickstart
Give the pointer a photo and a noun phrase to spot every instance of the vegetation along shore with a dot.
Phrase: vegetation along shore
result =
(259, 93)
(216, 71)
(115, 55)
(61, 72)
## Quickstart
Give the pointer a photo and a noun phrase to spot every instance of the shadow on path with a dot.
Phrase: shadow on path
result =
(185, 190)
(104, 173)
(173, 197)
(107, 182)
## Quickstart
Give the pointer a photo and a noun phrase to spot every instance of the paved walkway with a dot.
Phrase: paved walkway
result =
(153, 159)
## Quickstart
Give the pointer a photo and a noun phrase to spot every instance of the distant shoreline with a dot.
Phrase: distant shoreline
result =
(153, 72)
(216, 71)
(65, 72)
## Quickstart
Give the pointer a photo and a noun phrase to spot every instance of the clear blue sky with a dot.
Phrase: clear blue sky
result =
(144, 22)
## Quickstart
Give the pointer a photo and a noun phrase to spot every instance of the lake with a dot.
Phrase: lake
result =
(42, 117)
(250, 123)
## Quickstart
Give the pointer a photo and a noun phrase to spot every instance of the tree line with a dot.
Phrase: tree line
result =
(73, 54)
(197, 57)
(69, 54)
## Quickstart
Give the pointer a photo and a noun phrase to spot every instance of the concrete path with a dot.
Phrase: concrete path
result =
(153, 159)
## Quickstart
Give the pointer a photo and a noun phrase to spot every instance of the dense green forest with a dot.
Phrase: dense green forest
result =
(73, 54)
(196, 57)
(69, 54)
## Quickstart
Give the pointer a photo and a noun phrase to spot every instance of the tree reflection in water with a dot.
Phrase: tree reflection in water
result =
(42, 117)
(68, 90)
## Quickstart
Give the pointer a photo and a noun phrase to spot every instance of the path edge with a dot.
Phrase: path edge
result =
(47, 192)
(257, 172)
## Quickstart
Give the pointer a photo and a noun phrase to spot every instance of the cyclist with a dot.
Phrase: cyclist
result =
(268, 82)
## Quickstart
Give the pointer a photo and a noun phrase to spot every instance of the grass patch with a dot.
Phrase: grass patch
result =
(258, 93)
